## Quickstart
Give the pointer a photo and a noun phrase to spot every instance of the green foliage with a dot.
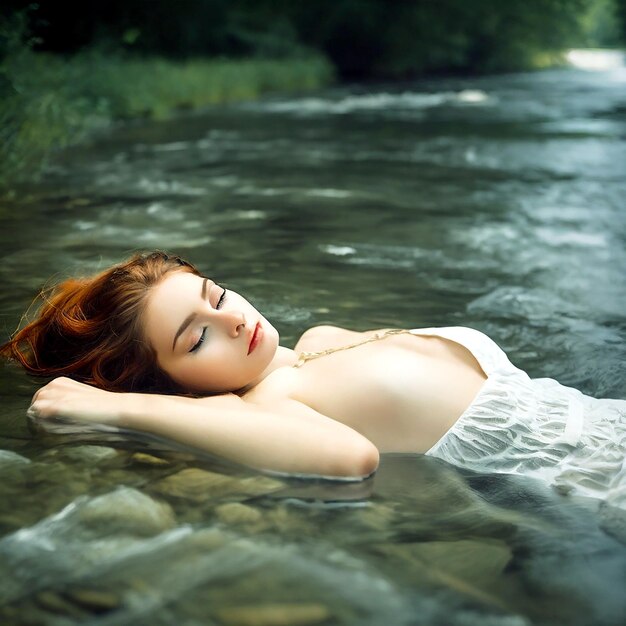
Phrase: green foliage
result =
(363, 38)
(620, 13)
(402, 39)
(602, 24)
(49, 101)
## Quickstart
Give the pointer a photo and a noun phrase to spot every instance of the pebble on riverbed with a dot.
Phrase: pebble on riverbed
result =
(148, 459)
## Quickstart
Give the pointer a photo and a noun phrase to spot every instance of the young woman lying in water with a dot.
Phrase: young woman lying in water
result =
(219, 381)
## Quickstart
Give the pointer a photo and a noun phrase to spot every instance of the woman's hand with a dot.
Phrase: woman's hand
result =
(66, 398)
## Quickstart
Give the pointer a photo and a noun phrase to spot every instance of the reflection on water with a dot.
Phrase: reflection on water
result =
(596, 60)
(493, 202)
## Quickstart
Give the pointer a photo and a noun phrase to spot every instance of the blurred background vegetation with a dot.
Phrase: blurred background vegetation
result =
(67, 69)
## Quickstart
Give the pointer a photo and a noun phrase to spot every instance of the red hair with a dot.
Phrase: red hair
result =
(90, 329)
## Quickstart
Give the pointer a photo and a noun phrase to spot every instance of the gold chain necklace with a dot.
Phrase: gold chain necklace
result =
(303, 357)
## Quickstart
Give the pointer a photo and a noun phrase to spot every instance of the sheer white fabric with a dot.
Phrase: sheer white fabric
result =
(536, 427)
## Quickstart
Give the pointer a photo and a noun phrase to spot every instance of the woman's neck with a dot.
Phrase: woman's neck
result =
(284, 357)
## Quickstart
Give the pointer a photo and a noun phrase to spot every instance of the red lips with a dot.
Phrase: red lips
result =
(257, 335)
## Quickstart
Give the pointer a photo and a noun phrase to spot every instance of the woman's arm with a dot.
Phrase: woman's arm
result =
(290, 438)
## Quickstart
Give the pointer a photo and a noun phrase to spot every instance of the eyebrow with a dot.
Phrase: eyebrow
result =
(190, 318)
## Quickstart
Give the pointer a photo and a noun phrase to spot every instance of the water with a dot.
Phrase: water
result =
(495, 202)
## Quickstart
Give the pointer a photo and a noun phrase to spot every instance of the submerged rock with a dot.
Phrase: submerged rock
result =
(613, 521)
(200, 485)
(377, 517)
(94, 600)
(89, 453)
(128, 511)
(237, 513)
(274, 615)
(55, 603)
(468, 567)
(207, 540)
(7, 457)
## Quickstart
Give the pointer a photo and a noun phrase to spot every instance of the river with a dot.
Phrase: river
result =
(493, 202)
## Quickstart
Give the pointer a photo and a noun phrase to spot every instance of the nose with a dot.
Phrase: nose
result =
(234, 322)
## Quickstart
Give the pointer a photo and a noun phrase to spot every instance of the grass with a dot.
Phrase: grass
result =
(48, 102)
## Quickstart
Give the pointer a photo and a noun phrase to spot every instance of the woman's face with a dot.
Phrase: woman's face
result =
(206, 338)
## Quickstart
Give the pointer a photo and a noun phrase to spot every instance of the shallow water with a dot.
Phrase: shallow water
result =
(495, 202)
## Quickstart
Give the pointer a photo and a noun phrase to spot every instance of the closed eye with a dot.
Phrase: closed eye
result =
(200, 341)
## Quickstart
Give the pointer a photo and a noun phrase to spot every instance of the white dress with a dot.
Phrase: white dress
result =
(535, 427)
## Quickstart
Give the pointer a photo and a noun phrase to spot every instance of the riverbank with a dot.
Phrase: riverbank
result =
(48, 102)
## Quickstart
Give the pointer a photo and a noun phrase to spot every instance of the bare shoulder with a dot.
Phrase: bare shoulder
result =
(325, 337)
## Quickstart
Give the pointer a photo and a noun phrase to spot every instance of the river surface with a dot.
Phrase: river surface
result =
(495, 202)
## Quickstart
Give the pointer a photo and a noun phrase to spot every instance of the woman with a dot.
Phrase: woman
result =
(219, 381)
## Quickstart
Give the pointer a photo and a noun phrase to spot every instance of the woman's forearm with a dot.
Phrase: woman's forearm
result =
(293, 438)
